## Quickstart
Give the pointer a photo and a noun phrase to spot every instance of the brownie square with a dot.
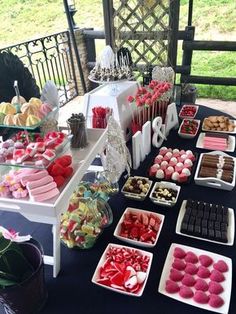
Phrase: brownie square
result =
(211, 224)
(219, 218)
(197, 230)
(186, 218)
(198, 222)
(224, 237)
(206, 215)
(207, 207)
(190, 229)
(192, 220)
(213, 208)
(218, 235)
(194, 212)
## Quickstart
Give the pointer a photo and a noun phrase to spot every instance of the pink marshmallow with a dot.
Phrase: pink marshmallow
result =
(40, 182)
(43, 188)
(45, 196)
(33, 177)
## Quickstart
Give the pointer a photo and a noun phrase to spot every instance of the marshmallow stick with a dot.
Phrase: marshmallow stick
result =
(131, 111)
(143, 112)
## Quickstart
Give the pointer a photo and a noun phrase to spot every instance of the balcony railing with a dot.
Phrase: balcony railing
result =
(49, 58)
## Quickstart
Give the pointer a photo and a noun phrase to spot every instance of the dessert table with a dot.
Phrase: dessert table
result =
(72, 291)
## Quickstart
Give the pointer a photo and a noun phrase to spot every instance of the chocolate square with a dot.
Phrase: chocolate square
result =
(186, 218)
(200, 214)
(211, 224)
(184, 227)
(206, 215)
(194, 212)
(204, 232)
(224, 237)
(188, 211)
(190, 229)
(192, 220)
(207, 207)
(219, 218)
(212, 216)
(197, 230)
(211, 233)
(198, 222)
(217, 225)
(200, 206)
(223, 227)
(218, 235)
(189, 203)
(225, 219)
(213, 208)
(219, 210)
(204, 223)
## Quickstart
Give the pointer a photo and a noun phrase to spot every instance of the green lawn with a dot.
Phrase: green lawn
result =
(23, 20)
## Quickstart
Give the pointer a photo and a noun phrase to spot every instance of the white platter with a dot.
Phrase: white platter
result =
(186, 135)
(213, 182)
(135, 242)
(135, 196)
(230, 231)
(102, 260)
(167, 185)
(187, 117)
(227, 283)
(230, 148)
(233, 132)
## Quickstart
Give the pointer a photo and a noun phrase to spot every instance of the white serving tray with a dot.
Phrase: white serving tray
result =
(135, 242)
(227, 283)
(135, 196)
(165, 184)
(102, 260)
(230, 148)
(212, 182)
(185, 135)
(233, 132)
(186, 117)
(230, 231)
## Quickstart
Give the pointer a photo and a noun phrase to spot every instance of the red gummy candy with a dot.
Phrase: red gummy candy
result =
(68, 172)
(205, 260)
(191, 269)
(179, 253)
(171, 286)
(176, 275)
(201, 297)
(217, 276)
(203, 272)
(188, 280)
(59, 180)
(201, 285)
(221, 266)
(185, 292)
(215, 287)
(191, 258)
(215, 301)
(117, 279)
(64, 161)
(57, 170)
(178, 264)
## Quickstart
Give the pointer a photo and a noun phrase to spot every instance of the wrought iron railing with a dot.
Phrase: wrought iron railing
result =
(49, 58)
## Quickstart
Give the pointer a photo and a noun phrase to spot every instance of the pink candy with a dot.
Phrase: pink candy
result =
(186, 292)
(221, 266)
(205, 260)
(179, 253)
(201, 297)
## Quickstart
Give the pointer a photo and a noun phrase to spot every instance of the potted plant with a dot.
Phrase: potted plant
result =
(188, 93)
(22, 286)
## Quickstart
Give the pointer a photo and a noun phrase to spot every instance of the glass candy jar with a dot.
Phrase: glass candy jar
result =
(84, 221)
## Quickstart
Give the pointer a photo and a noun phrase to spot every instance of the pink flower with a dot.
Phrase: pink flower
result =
(130, 98)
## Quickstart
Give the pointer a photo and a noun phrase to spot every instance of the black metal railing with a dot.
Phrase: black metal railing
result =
(49, 58)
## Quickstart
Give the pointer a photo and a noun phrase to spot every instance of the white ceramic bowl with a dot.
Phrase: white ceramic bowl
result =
(167, 185)
(185, 135)
(135, 196)
(102, 260)
(188, 117)
(135, 242)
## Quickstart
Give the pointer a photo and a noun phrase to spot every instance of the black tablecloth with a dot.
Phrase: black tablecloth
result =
(73, 292)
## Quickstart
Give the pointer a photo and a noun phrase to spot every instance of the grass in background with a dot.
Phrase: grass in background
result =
(214, 20)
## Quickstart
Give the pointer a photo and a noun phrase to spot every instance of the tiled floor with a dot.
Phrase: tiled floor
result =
(76, 106)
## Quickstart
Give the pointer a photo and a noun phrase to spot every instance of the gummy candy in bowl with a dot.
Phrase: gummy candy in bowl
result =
(84, 222)
(123, 269)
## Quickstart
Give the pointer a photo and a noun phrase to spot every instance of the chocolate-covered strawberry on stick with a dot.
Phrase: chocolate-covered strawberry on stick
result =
(151, 101)
(77, 126)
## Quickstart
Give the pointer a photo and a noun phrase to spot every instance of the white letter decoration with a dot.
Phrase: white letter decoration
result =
(159, 132)
(141, 144)
(172, 120)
